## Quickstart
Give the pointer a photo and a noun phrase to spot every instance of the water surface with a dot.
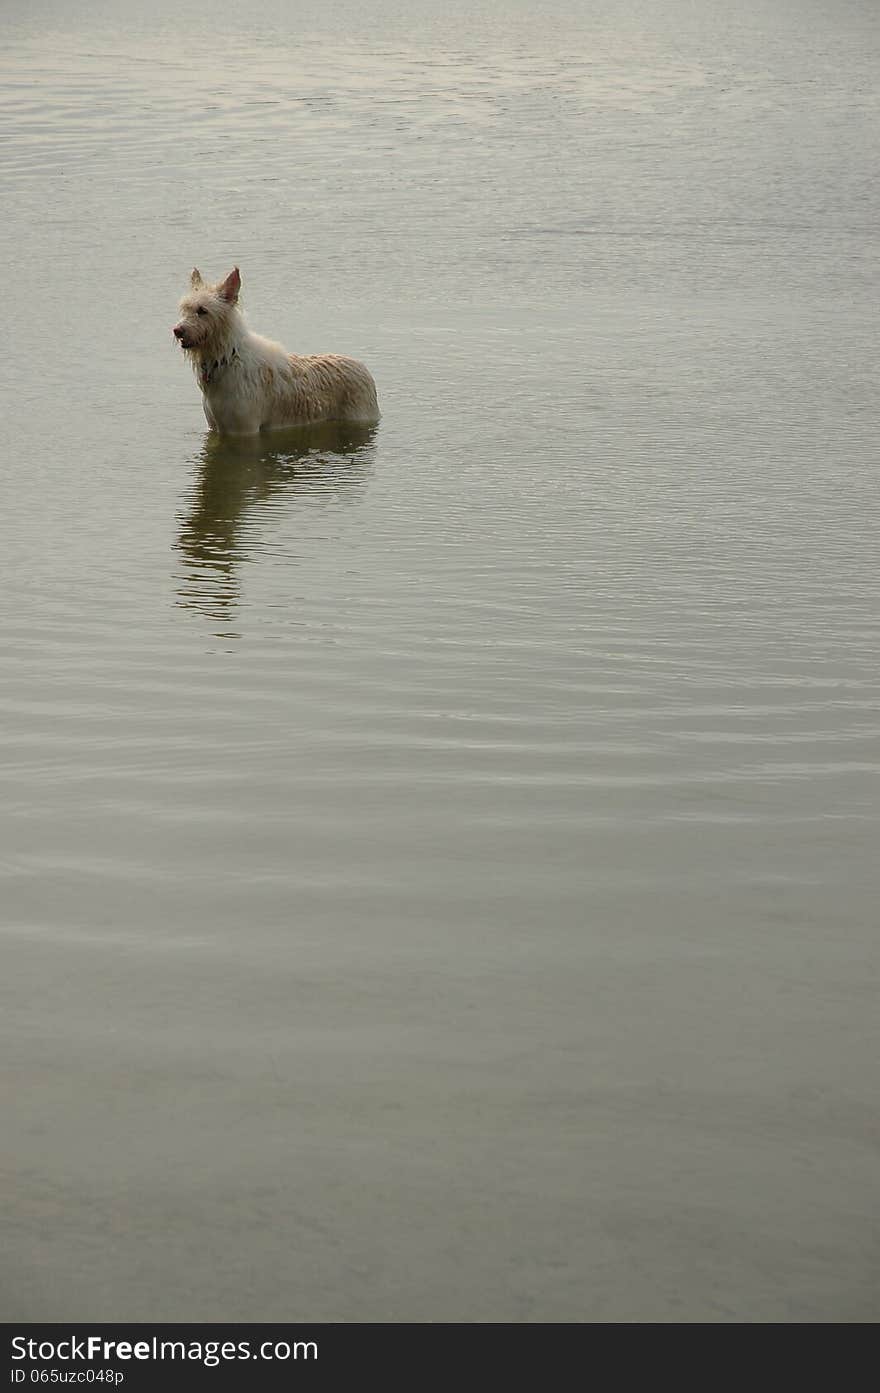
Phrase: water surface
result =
(439, 863)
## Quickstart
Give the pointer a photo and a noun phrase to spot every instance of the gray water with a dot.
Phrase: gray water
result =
(439, 864)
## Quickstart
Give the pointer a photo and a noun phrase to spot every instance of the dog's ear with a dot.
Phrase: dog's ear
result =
(195, 279)
(228, 289)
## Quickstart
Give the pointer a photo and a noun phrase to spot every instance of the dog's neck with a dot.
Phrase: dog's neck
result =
(209, 368)
(210, 361)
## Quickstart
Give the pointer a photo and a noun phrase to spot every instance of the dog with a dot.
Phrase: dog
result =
(249, 383)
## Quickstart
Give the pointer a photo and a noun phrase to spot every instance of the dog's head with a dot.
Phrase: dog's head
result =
(207, 312)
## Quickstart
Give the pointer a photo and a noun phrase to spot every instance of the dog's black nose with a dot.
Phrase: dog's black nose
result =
(178, 332)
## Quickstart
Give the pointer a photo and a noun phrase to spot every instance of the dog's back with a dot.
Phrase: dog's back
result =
(334, 387)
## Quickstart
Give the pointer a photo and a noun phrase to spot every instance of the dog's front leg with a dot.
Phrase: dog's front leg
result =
(231, 416)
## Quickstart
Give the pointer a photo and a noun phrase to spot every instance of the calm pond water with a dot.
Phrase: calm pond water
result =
(439, 864)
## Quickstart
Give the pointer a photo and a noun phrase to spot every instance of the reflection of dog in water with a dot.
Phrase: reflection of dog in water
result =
(249, 383)
(316, 465)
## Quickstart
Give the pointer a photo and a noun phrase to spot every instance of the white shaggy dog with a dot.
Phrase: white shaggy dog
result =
(249, 383)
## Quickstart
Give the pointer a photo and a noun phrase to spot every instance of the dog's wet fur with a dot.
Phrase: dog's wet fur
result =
(249, 383)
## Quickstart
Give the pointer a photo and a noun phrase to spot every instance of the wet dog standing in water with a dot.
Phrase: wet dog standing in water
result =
(249, 383)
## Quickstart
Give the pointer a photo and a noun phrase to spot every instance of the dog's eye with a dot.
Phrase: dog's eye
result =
(201, 311)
